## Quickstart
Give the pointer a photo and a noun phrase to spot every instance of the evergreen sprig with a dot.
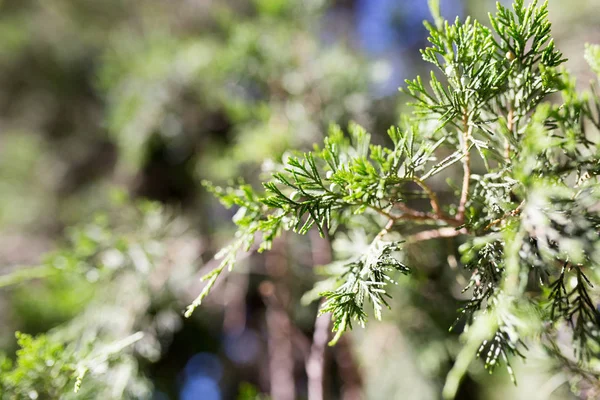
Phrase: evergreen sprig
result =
(529, 218)
(363, 280)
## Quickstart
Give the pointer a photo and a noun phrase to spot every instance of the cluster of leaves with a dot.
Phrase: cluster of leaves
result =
(40, 364)
(325, 188)
(362, 280)
(90, 354)
(531, 212)
(49, 367)
(485, 261)
(576, 307)
(151, 81)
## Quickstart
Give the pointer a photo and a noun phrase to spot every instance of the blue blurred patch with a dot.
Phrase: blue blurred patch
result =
(391, 32)
(200, 388)
(242, 348)
(201, 377)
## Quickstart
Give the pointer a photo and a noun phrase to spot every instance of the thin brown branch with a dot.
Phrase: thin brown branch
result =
(509, 125)
(301, 342)
(444, 232)
(433, 199)
(320, 248)
(466, 161)
(316, 360)
(414, 215)
(281, 356)
(385, 230)
(512, 213)
(410, 214)
(382, 212)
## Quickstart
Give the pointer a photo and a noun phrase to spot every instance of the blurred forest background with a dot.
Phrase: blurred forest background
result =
(112, 112)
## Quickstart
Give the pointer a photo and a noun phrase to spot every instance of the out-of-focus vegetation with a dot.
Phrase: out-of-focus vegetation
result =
(111, 114)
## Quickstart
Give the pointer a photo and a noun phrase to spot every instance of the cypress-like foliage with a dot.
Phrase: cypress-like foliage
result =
(529, 220)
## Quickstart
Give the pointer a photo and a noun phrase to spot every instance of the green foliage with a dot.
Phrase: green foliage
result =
(362, 280)
(259, 83)
(47, 367)
(528, 220)
(96, 84)
(592, 55)
(525, 220)
(89, 354)
(42, 369)
(249, 392)
(324, 188)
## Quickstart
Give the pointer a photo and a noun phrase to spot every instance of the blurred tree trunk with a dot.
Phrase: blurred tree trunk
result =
(279, 326)
(352, 383)
(315, 364)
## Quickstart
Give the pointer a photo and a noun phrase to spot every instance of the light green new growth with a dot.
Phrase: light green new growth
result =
(71, 360)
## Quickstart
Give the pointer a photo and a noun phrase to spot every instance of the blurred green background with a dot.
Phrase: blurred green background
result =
(105, 104)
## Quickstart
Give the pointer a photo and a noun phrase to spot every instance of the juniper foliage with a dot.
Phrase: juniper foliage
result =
(91, 355)
(528, 219)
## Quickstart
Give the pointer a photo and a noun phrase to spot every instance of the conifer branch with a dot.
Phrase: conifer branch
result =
(522, 216)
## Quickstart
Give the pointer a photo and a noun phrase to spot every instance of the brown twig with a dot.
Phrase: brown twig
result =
(509, 125)
(414, 215)
(433, 200)
(512, 213)
(444, 232)
(281, 358)
(410, 214)
(386, 229)
(466, 161)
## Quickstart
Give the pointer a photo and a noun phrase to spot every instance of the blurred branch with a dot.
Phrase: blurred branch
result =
(26, 273)
(279, 326)
(352, 383)
(445, 232)
(197, 284)
(315, 365)
(281, 359)
(236, 290)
